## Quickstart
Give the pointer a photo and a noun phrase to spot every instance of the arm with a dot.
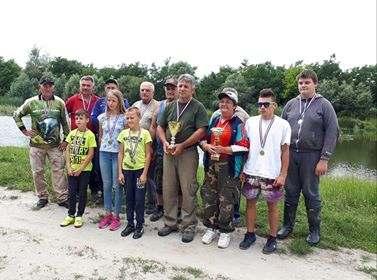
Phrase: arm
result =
(192, 140)
(65, 126)
(120, 162)
(148, 156)
(100, 133)
(22, 111)
(280, 180)
(68, 160)
(161, 134)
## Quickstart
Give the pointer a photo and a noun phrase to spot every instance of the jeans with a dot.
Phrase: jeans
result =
(135, 197)
(112, 193)
(78, 185)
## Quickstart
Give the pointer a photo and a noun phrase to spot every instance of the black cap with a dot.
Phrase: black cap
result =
(111, 80)
(171, 81)
(46, 80)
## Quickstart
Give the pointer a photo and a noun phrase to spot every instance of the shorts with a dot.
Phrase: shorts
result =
(255, 186)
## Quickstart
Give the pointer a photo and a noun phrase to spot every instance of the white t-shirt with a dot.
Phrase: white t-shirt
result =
(267, 165)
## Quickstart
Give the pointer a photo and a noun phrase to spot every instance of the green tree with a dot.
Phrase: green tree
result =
(60, 85)
(290, 82)
(72, 86)
(22, 87)
(9, 71)
(36, 65)
(59, 66)
(129, 85)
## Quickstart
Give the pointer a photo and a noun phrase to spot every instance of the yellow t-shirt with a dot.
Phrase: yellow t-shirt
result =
(79, 143)
(129, 139)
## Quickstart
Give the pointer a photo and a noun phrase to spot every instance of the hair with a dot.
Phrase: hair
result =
(267, 92)
(82, 112)
(188, 79)
(147, 84)
(119, 95)
(134, 109)
(308, 74)
(87, 78)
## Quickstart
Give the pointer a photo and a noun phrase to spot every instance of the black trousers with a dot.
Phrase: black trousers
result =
(78, 186)
(135, 197)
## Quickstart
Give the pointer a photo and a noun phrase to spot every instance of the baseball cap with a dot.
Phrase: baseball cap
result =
(229, 92)
(171, 81)
(111, 80)
(46, 80)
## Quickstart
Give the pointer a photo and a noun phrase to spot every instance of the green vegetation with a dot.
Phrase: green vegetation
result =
(348, 213)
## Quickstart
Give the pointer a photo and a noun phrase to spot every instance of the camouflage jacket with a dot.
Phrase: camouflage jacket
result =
(46, 119)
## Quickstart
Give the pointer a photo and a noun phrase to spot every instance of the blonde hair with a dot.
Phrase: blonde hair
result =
(119, 95)
(134, 109)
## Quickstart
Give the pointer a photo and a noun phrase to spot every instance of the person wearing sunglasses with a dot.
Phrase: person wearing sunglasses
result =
(314, 135)
(266, 167)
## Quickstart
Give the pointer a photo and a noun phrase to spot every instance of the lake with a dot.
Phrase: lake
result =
(351, 158)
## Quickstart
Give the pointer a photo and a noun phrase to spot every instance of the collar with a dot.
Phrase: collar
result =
(40, 97)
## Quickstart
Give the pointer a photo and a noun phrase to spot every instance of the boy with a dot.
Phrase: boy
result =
(266, 167)
(133, 162)
(81, 143)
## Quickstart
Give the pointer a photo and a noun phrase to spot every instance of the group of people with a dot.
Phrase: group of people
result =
(149, 152)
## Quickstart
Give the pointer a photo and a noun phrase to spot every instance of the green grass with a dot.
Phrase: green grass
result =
(348, 206)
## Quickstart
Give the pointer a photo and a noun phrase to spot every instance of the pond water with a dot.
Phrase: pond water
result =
(351, 158)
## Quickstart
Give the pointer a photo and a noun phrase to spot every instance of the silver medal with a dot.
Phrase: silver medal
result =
(299, 121)
(261, 152)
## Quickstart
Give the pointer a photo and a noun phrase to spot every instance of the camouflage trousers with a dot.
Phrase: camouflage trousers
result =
(219, 194)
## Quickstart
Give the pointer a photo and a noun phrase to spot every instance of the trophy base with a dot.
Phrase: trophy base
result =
(215, 157)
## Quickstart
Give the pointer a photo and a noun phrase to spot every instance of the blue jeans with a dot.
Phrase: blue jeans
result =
(109, 171)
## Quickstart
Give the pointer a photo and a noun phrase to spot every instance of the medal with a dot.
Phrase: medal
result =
(300, 121)
(306, 107)
(110, 142)
(263, 139)
(261, 152)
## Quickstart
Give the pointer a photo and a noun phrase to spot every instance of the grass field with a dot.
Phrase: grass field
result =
(348, 213)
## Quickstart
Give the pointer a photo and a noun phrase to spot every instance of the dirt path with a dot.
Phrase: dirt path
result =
(34, 246)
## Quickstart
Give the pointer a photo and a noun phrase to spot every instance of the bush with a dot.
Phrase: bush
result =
(22, 87)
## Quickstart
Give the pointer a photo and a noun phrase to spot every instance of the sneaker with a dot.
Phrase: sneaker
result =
(64, 204)
(158, 214)
(150, 210)
(270, 245)
(209, 236)
(42, 202)
(105, 221)
(188, 235)
(78, 222)
(115, 224)
(138, 233)
(128, 230)
(68, 220)
(248, 240)
(224, 240)
(166, 230)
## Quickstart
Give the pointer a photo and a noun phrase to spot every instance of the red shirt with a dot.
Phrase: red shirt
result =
(75, 103)
(225, 137)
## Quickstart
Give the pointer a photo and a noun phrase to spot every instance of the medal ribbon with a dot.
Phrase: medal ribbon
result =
(263, 140)
(86, 108)
(132, 150)
(302, 114)
(179, 114)
(111, 129)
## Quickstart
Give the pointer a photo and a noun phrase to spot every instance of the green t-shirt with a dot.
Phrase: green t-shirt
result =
(193, 117)
(129, 139)
(79, 143)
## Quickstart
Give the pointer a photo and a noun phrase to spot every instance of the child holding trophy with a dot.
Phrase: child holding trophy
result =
(133, 163)
(225, 147)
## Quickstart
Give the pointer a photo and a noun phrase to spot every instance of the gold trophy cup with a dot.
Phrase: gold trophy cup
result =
(216, 131)
(174, 127)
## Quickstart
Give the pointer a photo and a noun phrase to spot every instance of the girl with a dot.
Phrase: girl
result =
(111, 123)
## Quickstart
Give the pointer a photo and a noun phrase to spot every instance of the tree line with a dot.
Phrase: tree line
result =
(353, 92)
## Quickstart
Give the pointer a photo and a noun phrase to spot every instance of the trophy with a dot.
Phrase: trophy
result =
(216, 131)
(174, 127)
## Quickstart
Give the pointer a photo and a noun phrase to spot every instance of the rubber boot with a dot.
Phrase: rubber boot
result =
(289, 221)
(314, 221)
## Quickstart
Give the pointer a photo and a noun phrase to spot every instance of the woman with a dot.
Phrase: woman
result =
(225, 148)
(111, 123)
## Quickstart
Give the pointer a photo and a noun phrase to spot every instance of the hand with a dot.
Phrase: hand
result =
(243, 178)
(321, 168)
(143, 178)
(63, 146)
(77, 172)
(279, 181)
(178, 149)
(209, 148)
(69, 172)
(219, 149)
(166, 147)
(29, 132)
(121, 178)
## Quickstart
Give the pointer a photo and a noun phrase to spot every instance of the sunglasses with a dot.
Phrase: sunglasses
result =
(264, 104)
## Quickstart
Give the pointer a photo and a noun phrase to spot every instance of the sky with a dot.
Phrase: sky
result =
(207, 34)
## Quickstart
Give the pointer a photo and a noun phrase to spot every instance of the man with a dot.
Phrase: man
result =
(86, 99)
(171, 93)
(48, 114)
(314, 135)
(100, 106)
(190, 120)
(148, 107)
(243, 116)
(266, 167)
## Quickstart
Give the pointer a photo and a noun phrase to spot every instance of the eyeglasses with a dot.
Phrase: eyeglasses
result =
(264, 104)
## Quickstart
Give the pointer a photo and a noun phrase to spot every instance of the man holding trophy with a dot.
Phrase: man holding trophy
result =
(180, 128)
(225, 147)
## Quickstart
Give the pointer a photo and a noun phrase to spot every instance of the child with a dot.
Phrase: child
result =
(111, 123)
(133, 163)
(79, 154)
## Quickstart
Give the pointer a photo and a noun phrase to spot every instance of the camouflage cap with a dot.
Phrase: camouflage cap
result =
(46, 79)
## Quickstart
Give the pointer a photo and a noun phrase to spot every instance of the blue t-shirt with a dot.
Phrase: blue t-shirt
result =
(111, 127)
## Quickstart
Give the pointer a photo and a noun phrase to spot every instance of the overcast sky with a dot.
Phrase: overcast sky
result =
(206, 34)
